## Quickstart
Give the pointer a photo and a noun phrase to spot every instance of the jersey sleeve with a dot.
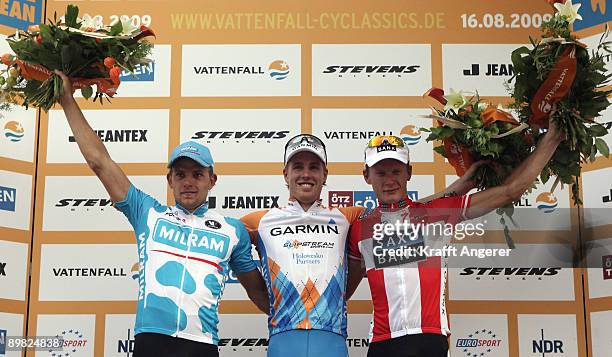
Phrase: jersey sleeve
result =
(448, 209)
(351, 213)
(353, 241)
(136, 205)
(241, 260)
(251, 222)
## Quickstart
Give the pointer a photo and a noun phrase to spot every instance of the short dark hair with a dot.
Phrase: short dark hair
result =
(211, 171)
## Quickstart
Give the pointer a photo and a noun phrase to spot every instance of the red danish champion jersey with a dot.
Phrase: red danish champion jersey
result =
(408, 298)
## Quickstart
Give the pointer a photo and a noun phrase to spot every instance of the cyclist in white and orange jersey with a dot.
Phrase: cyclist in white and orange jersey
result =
(410, 318)
(303, 253)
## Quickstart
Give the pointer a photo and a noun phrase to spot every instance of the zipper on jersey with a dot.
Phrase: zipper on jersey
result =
(185, 260)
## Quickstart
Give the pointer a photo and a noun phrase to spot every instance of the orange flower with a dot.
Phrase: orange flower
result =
(114, 73)
(109, 62)
(7, 58)
(33, 28)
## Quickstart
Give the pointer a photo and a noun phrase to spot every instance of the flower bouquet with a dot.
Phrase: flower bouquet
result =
(472, 130)
(90, 54)
(558, 79)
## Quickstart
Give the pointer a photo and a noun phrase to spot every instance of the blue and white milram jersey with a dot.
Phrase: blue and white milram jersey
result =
(184, 263)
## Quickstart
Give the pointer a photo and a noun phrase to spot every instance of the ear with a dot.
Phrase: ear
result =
(325, 175)
(366, 175)
(169, 178)
(409, 171)
(213, 180)
(286, 175)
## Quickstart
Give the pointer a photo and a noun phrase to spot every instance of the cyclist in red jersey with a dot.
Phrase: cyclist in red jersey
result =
(410, 318)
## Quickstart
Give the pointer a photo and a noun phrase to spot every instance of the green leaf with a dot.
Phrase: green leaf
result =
(87, 91)
(593, 153)
(116, 29)
(72, 12)
(602, 147)
(597, 130)
(440, 150)
(545, 175)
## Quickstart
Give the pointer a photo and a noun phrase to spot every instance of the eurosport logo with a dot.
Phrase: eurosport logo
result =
(8, 198)
(119, 135)
(365, 199)
(510, 273)
(545, 347)
(13, 131)
(245, 202)
(479, 343)
(142, 73)
(277, 70)
(593, 13)
(370, 70)
(21, 14)
(606, 262)
(74, 341)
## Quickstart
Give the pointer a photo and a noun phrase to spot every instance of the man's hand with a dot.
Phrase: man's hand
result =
(68, 93)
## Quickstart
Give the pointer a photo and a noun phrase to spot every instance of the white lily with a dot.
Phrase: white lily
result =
(126, 23)
(455, 101)
(569, 10)
(482, 106)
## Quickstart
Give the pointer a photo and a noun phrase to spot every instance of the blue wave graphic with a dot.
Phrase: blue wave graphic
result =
(547, 208)
(12, 136)
(279, 75)
(409, 140)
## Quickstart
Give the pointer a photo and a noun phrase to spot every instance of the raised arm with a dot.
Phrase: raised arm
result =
(92, 148)
(460, 187)
(520, 180)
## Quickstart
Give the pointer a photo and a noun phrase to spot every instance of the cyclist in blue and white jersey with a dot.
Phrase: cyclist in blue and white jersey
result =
(185, 251)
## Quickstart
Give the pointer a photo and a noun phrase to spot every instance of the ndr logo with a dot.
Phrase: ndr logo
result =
(365, 199)
(142, 73)
(13, 131)
(126, 345)
(544, 346)
(8, 197)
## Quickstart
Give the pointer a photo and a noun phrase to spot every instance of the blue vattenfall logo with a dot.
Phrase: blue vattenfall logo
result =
(196, 241)
(2, 342)
(142, 73)
(593, 13)
(20, 14)
(8, 197)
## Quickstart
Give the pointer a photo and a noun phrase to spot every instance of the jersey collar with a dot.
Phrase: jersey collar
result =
(294, 204)
(203, 208)
(389, 207)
